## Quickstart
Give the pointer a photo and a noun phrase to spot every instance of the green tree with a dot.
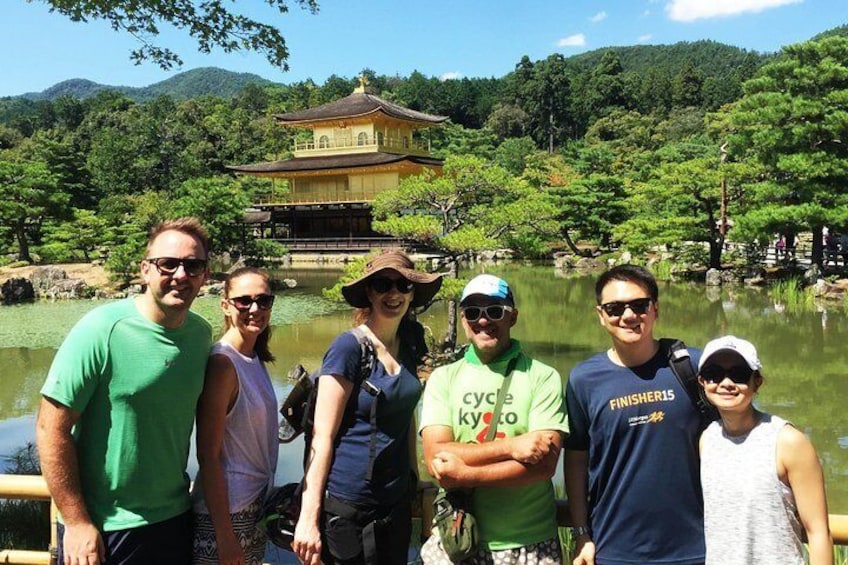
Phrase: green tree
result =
(454, 139)
(507, 120)
(211, 23)
(546, 97)
(220, 201)
(793, 122)
(73, 240)
(605, 90)
(589, 209)
(60, 151)
(687, 85)
(471, 207)
(30, 196)
(512, 153)
(681, 201)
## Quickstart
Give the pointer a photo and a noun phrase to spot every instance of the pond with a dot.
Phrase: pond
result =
(803, 353)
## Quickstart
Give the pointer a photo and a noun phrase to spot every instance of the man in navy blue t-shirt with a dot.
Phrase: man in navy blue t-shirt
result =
(631, 461)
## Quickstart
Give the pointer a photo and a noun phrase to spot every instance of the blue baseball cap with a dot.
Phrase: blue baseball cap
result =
(489, 286)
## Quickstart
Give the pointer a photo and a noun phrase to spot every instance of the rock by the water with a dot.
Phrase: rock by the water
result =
(67, 289)
(563, 261)
(713, 277)
(17, 290)
(589, 265)
(45, 278)
(729, 277)
(812, 275)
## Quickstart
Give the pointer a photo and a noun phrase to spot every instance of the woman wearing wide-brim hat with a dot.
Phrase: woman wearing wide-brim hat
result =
(361, 464)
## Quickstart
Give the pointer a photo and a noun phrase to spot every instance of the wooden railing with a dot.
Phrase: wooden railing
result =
(28, 487)
(370, 142)
(33, 487)
(339, 243)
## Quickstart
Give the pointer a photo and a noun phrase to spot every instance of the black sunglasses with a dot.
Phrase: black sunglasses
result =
(495, 312)
(169, 265)
(243, 303)
(739, 374)
(616, 309)
(385, 284)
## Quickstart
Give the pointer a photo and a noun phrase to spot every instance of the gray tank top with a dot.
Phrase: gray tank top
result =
(750, 516)
(249, 449)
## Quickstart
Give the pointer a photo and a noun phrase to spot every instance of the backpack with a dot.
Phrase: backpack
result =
(681, 366)
(298, 409)
(282, 506)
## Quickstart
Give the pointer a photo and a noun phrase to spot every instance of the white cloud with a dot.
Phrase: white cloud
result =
(452, 75)
(576, 40)
(691, 10)
(600, 16)
(644, 38)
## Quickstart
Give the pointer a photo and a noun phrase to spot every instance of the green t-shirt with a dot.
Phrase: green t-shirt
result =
(462, 395)
(136, 385)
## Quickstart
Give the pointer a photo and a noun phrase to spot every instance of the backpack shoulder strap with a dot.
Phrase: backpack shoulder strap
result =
(367, 356)
(681, 365)
(367, 362)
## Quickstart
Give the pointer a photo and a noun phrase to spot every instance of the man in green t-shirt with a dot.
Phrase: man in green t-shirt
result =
(117, 410)
(513, 498)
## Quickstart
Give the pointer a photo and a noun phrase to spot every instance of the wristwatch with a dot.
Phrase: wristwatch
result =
(578, 531)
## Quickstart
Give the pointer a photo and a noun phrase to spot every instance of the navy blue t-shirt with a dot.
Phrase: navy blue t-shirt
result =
(395, 406)
(641, 433)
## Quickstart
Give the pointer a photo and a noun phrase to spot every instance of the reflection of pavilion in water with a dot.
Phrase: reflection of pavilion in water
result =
(321, 198)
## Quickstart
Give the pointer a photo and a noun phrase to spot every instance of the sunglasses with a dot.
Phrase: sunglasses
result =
(739, 374)
(383, 285)
(169, 265)
(244, 303)
(495, 312)
(616, 309)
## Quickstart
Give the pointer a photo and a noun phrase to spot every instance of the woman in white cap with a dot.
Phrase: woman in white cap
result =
(361, 462)
(762, 480)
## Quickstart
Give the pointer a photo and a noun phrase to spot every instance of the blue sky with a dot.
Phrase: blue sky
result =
(443, 38)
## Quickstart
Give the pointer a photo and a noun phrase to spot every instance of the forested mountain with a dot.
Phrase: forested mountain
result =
(709, 57)
(625, 144)
(189, 84)
(841, 30)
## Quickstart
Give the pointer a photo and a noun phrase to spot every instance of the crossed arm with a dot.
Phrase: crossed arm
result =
(59, 464)
(516, 461)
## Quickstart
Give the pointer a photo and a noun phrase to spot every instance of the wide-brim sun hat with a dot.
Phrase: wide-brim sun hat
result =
(426, 284)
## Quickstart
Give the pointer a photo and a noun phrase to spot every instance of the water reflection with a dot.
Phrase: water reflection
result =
(802, 352)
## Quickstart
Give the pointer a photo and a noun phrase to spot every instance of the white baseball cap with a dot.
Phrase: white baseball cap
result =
(743, 348)
(488, 285)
